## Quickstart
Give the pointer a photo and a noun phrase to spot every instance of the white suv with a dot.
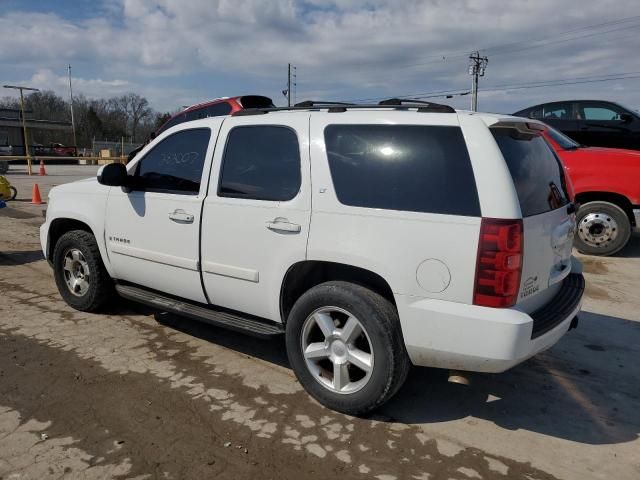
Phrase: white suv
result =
(375, 237)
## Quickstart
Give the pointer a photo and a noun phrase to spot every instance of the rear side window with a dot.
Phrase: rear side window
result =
(402, 167)
(558, 111)
(261, 163)
(536, 171)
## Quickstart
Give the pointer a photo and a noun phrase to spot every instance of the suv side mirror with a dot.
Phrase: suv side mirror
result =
(626, 118)
(114, 175)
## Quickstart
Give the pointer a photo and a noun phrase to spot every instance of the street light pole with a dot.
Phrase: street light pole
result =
(24, 124)
(73, 123)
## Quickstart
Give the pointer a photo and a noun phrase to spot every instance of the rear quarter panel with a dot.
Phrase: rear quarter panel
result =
(397, 245)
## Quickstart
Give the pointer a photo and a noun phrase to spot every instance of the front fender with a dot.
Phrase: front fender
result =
(86, 205)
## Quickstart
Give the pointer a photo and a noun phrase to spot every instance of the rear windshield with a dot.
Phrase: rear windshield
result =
(402, 167)
(256, 101)
(536, 171)
(562, 140)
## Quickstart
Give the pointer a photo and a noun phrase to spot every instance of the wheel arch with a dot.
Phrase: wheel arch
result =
(304, 275)
(615, 198)
(61, 225)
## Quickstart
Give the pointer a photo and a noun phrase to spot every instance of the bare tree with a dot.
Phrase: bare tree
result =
(126, 116)
(136, 109)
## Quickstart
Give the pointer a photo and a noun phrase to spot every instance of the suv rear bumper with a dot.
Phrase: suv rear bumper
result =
(458, 336)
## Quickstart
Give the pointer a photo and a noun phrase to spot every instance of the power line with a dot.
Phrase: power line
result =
(517, 86)
(567, 32)
(540, 85)
(529, 47)
(537, 43)
(554, 42)
(501, 88)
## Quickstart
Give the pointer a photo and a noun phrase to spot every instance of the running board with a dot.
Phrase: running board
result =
(208, 314)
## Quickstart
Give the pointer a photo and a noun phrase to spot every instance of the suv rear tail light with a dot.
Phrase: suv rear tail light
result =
(499, 263)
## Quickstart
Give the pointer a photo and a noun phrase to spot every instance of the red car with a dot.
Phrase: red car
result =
(62, 151)
(606, 185)
(215, 108)
(212, 108)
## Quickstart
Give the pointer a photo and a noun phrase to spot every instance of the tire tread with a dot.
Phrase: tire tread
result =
(101, 289)
(387, 320)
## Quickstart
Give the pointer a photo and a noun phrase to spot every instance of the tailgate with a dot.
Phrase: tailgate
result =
(548, 240)
(547, 216)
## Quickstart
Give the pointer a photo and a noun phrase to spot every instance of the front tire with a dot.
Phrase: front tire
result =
(81, 277)
(345, 346)
(603, 229)
(14, 193)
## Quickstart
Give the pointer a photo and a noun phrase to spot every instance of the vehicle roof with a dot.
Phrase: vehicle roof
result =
(488, 118)
(211, 102)
(237, 99)
(571, 101)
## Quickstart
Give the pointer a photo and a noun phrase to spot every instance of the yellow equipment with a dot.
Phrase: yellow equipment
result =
(7, 192)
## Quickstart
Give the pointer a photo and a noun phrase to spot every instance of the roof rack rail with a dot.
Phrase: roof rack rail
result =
(335, 107)
(319, 103)
(428, 106)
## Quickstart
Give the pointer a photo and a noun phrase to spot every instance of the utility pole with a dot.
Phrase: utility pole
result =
(477, 67)
(289, 85)
(287, 91)
(295, 84)
(24, 124)
(73, 123)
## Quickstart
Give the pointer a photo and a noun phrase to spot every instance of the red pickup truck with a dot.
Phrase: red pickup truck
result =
(606, 185)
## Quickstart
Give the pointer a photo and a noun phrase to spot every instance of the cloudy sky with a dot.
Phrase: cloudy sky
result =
(179, 52)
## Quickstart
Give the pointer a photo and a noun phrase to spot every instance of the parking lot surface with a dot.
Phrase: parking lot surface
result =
(137, 393)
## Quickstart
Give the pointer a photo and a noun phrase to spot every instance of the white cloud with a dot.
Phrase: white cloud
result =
(343, 48)
(46, 79)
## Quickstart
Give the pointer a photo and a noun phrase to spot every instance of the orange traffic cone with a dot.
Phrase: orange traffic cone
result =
(35, 195)
(42, 170)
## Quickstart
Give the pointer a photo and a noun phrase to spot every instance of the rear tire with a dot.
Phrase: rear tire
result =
(81, 277)
(14, 193)
(345, 346)
(603, 228)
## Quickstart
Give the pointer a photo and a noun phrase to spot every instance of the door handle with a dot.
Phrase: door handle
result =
(283, 225)
(181, 216)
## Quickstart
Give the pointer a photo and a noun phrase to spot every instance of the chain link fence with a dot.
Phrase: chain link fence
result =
(116, 149)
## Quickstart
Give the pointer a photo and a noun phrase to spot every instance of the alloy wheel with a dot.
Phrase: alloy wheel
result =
(76, 272)
(337, 350)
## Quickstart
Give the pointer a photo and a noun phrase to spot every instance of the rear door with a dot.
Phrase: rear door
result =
(548, 221)
(255, 219)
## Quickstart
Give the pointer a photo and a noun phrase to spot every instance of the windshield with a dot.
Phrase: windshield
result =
(562, 140)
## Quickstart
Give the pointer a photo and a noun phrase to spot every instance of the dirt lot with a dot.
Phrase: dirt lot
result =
(141, 394)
